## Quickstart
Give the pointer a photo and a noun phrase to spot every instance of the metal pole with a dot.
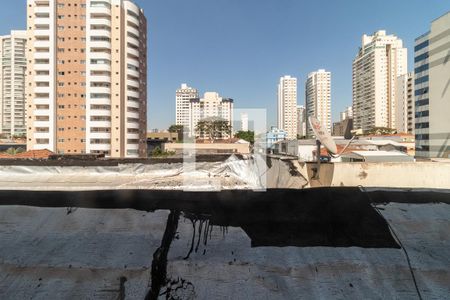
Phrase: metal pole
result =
(317, 176)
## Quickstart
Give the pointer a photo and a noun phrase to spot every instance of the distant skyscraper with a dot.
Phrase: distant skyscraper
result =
(381, 59)
(287, 106)
(184, 95)
(244, 121)
(405, 104)
(212, 105)
(13, 65)
(87, 77)
(318, 99)
(346, 114)
(301, 121)
(432, 90)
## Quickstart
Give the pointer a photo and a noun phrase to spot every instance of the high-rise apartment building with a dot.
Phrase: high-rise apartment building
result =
(244, 122)
(345, 124)
(87, 77)
(287, 106)
(301, 121)
(212, 105)
(432, 90)
(183, 98)
(346, 114)
(405, 104)
(13, 65)
(380, 61)
(318, 99)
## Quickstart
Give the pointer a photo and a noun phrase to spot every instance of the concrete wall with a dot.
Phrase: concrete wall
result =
(430, 175)
(212, 148)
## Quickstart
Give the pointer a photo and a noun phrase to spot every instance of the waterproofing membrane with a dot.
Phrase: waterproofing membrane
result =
(314, 217)
(232, 173)
(221, 245)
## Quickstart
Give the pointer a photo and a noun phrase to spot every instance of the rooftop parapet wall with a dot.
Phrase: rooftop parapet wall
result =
(417, 175)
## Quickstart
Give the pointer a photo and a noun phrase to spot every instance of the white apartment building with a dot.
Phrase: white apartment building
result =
(12, 83)
(183, 98)
(318, 99)
(87, 77)
(380, 61)
(346, 114)
(287, 106)
(212, 105)
(244, 122)
(301, 120)
(405, 104)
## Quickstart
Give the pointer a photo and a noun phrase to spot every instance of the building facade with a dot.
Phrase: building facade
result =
(405, 104)
(318, 99)
(12, 83)
(432, 90)
(301, 121)
(183, 98)
(244, 122)
(346, 114)
(211, 106)
(380, 61)
(87, 77)
(287, 106)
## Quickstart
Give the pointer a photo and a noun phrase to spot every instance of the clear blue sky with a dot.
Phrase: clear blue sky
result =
(240, 48)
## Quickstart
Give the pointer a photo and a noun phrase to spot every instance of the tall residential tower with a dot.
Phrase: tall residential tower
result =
(381, 59)
(287, 106)
(87, 77)
(13, 65)
(183, 98)
(318, 99)
(432, 90)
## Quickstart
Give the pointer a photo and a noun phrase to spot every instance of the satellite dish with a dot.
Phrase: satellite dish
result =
(323, 135)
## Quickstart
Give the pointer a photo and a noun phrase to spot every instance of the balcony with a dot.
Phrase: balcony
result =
(41, 44)
(100, 55)
(133, 94)
(133, 41)
(41, 124)
(100, 21)
(100, 112)
(100, 44)
(100, 10)
(42, 89)
(100, 67)
(100, 33)
(100, 135)
(42, 9)
(100, 147)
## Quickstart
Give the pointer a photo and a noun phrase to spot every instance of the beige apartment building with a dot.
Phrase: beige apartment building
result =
(211, 106)
(380, 61)
(287, 106)
(183, 98)
(405, 104)
(87, 77)
(318, 99)
(12, 83)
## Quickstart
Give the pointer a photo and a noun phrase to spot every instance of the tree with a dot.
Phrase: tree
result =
(179, 129)
(176, 128)
(14, 151)
(213, 129)
(157, 152)
(248, 136)
(380, 131)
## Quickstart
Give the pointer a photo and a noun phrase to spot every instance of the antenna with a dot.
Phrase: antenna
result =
(324, 137)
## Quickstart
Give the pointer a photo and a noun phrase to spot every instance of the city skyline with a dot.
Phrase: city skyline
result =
(248, 66)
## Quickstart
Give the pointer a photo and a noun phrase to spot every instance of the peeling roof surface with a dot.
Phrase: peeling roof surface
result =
(56, 253)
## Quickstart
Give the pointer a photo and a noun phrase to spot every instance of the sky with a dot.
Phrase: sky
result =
(240, 48)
